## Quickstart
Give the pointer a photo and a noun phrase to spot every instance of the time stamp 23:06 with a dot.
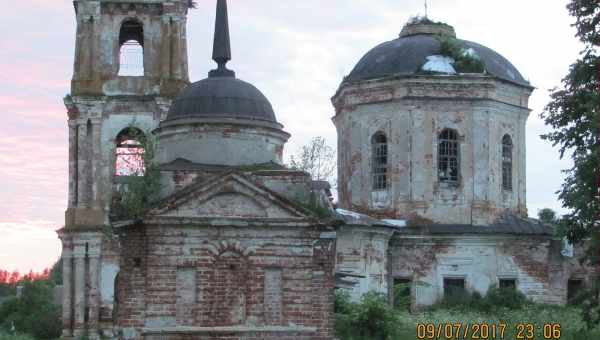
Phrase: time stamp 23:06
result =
(485, 331)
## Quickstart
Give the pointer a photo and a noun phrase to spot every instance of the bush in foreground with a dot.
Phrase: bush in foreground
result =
(373, 319)
(34, 313)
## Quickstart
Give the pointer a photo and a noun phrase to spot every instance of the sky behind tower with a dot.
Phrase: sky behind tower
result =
(295, 52)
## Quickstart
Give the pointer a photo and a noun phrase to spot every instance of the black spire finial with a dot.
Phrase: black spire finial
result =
(221, 46)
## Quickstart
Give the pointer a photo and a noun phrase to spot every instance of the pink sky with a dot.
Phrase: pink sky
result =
(296, 52)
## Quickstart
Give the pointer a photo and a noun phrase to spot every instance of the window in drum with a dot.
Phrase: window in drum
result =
(379, 151)
(507, 155)
(448, 156)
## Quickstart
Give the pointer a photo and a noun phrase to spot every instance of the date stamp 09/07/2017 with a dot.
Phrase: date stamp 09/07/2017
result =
(487, 331)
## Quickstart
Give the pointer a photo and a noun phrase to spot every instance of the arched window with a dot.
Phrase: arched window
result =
(379, 149)
(507, 151)
(130, 153)
(448, 156)
(131, 54)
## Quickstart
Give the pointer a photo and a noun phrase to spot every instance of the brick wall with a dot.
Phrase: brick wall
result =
(252, 278)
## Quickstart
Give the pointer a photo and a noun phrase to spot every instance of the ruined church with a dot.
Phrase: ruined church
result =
(431, 181)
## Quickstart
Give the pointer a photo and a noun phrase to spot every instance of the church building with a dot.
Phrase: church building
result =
(184, 223)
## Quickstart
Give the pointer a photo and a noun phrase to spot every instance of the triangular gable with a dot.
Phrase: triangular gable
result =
(231, 195)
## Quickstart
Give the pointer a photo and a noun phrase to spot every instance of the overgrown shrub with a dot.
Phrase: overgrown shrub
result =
(589, 300)
(34, 313)
(463, 61)
(418, 20)
(400, 324)
(4, 336)
(140, 192)
(505, 297)
(372, 318)
(495, 298)
(402, 296)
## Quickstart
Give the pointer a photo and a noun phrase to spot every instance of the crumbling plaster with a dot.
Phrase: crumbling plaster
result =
(536, 264)
(412, 111)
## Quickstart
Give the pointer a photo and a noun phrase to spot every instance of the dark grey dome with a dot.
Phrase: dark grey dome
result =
(406, 55)
(226, 97)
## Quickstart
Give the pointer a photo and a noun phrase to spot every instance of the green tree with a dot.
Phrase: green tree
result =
(548, 216)
(573, 116)
(56, 272)
(142, 189)
(34, 313)
(318, 159)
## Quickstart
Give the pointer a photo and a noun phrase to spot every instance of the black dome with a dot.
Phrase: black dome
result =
(226, 97)
(405, 56)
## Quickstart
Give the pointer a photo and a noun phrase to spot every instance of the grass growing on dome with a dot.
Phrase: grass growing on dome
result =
(423, 20)
(465, 61)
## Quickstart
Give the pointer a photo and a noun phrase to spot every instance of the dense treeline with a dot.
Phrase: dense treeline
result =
(35, 313)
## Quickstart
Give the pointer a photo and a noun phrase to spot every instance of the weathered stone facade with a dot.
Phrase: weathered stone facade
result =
(472, 230)
(231, 250)
(237, 246)
(412, 111)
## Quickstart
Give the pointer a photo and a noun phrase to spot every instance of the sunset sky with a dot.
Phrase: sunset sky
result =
(295, 52)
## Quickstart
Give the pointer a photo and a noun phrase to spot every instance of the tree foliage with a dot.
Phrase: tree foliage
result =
(547, 216)
(372, 318)
(573, 116)
(141, 190)
(318, 159)
(34, 313)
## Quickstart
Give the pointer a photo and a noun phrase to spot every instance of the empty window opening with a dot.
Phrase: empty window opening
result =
(448, 156)
(130, 153)
(508, 283)
(131, 53)
(402, 294)
(507, 151)
(574, 289)
(454, 286)
(379, 149)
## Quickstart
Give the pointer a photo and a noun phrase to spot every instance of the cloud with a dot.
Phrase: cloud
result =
(28, 245)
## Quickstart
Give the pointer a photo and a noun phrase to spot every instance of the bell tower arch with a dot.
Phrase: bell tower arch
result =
(104, 27)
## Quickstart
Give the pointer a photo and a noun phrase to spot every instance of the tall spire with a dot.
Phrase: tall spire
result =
(221, 46)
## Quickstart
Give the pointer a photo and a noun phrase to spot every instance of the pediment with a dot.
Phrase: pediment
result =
(229, 196)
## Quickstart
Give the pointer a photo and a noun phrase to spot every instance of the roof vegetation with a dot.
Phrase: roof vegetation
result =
(423, 20)
(465, 61)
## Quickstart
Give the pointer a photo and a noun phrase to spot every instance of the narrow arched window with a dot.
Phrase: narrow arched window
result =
(448, 156)
(131, 53)
(379, 151)
(130, 153)
(507, 156)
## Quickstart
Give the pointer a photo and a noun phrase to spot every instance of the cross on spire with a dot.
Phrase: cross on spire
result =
(426, 9)
(221, 45)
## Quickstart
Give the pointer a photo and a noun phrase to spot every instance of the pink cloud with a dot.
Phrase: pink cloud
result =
(28, 245)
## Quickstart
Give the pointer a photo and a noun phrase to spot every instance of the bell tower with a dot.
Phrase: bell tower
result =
(130, 63)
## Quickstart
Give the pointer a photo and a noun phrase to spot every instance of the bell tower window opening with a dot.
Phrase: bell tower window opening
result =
(130, 153)
(131, 53)
(448, 156)
(379, 149)
(507, 151)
